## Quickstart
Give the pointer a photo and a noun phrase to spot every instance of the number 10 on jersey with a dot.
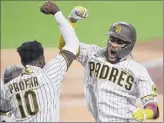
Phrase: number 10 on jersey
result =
(27, 103)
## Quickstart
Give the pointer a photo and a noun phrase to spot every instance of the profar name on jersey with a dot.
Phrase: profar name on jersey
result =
(23, 85)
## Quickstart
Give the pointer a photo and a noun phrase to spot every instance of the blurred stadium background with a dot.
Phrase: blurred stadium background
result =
(22, 21)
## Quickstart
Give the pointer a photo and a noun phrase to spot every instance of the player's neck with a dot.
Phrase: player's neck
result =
(35, 63)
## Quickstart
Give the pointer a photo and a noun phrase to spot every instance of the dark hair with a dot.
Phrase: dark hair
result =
(30, 51)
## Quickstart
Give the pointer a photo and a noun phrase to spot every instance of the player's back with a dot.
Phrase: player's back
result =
(34, 95)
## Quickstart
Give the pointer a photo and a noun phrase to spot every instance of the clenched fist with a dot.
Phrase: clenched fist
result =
(78, 13)
(49, 8)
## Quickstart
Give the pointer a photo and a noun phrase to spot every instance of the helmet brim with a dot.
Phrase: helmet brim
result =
(119, 36)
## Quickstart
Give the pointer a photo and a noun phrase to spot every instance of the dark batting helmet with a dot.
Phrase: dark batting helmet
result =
(125, 32)
(12, 72)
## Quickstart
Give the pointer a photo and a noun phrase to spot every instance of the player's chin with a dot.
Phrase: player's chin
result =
(112, 59)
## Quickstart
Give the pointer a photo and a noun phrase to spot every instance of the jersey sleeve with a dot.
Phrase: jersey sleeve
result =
(56, 68)
(86, 51)
(147, 90)
(4, 102)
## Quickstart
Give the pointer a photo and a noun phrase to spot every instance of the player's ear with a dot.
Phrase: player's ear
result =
(42, 60)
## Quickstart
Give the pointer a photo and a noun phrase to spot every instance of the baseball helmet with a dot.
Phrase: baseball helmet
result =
(12, 72)
(125, 32)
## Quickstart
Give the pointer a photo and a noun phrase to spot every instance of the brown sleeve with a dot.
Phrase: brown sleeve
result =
(69, 57)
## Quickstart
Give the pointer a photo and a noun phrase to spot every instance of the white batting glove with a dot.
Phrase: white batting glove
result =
(78, 13)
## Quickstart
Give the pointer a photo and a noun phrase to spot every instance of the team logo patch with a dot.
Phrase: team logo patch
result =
(118, 28)
(154, 89)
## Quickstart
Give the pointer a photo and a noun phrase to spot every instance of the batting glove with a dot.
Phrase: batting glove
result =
(143, 114)
(139, 115)
(78, 13)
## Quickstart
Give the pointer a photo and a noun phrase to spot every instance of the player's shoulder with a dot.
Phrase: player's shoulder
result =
(89, 47)
(14, 80)
(56, 61)
(136, 67)
(136, 64)
(5, 87)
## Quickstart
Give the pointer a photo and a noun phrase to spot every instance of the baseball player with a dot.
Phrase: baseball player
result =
(10, 73)
(113, 79)
(34, 95)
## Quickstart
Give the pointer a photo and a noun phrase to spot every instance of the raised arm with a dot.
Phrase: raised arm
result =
(76, 14)
(69, 51)
(79, 13)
